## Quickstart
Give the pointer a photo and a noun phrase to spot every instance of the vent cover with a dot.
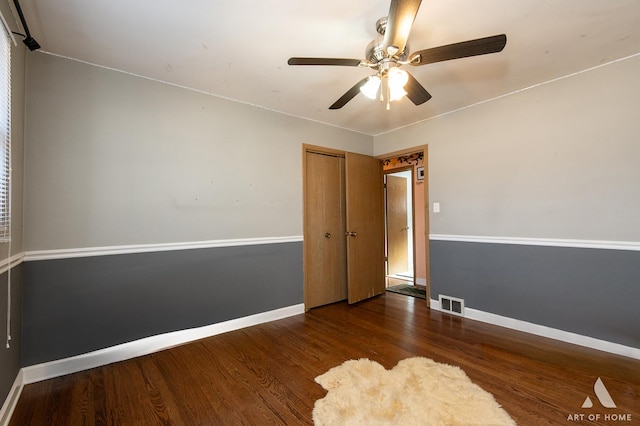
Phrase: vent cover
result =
(451, 304)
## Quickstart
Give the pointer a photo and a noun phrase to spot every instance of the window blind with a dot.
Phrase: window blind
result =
(5, 136)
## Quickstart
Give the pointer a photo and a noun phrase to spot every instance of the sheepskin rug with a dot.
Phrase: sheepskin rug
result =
(417, 391)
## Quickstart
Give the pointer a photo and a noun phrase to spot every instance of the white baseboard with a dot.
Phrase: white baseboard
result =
(49, 370)
(148, 345)
(12, 399)
(544, 331)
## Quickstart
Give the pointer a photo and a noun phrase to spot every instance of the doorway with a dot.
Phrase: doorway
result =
(398, 191)
(407, 232)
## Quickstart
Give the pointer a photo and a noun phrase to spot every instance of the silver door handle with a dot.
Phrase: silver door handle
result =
(327, 235)
(350, 234)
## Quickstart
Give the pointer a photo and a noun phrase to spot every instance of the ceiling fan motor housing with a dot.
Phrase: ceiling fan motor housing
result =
(375, 52)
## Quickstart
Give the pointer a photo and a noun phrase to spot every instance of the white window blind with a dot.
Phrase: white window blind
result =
(5, 136)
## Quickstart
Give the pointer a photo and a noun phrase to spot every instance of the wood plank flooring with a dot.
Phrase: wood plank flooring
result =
(264, 374)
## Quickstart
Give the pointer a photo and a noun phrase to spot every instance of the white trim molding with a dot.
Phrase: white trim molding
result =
(14, 261)
(549, 242)
(544, 331)
(12, 399)
(148, 345)
(148, 248)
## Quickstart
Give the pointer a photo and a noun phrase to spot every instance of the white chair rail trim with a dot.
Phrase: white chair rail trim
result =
(549, 242)
(148, 248)
(14, 261)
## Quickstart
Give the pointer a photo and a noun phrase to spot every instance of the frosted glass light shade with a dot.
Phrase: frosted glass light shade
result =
(370, 88)
(396, 93)
(398, 77)
(397, 80)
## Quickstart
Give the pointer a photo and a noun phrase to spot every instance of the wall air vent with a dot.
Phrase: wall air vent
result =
(451, 304)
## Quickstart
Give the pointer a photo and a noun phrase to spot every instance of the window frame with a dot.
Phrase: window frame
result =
(5, 131)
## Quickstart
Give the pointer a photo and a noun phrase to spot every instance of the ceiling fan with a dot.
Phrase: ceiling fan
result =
(389, 51)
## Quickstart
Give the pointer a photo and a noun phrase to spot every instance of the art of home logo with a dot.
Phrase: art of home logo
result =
(604, 398)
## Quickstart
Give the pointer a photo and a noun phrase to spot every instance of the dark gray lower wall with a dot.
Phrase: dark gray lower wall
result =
(10, 358)
(74, 306)
(592, 292)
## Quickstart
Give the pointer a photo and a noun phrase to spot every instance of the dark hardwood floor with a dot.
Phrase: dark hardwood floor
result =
(264, 374)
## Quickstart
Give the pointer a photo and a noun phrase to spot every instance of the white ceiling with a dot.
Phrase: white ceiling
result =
(238, 49)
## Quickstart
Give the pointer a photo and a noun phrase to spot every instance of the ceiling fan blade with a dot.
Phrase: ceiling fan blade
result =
(350, 94)
(480, 46)
(415, 92)
(402, 13)
(324, 61)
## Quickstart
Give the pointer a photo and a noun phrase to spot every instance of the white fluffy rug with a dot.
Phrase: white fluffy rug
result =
(417, 391)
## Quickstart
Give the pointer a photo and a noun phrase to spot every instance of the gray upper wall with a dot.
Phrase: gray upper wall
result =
(116, 159)
(560, 160)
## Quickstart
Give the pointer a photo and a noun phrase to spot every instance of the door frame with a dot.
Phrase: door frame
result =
(425, 162)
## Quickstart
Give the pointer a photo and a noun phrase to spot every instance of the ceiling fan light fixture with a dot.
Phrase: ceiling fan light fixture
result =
(388, 52)
(397, 78)
(371, 87)
(396, 93)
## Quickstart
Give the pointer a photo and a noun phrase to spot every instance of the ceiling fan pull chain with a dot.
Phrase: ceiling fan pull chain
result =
(388, 94)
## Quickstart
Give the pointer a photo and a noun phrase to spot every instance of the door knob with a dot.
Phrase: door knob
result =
(327, 235)
(350, 234)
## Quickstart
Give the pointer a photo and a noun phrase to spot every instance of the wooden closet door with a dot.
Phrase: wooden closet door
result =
(325, 254)
(365, 226)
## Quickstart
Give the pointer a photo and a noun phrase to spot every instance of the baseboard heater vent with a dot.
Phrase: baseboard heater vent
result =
(451, 304)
